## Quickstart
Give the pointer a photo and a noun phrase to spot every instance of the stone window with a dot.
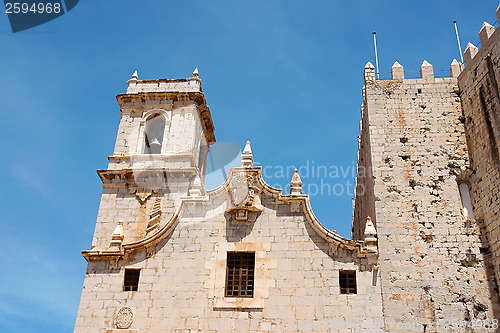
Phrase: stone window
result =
(240, 274)
(153, 137)
(347, 282)
(131, 279)
(466, 201)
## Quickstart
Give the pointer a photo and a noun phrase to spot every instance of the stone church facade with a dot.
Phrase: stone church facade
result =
(168, 256)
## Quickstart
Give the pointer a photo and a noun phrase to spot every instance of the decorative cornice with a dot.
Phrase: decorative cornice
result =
(196, 96)
(102, 255)
(127, 176)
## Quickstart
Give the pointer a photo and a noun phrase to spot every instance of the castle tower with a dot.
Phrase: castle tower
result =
(413, 181)
(480, 94)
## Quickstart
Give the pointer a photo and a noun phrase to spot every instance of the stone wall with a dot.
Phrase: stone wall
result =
(479, 87)
(433, 271)
(155, 216)
(182, 279)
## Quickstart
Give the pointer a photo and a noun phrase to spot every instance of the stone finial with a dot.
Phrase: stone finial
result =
(370, 234)
(397, 71)
(196, 187)
(426, 71)
(246, 156)
(470, 53)
(117, 237)
(455, 68)
(485, 33)
(296, 183)
(195, 72)
(134, 77)
(369, 73)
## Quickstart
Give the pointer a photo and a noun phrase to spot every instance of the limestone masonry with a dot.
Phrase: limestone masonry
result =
(168, 256)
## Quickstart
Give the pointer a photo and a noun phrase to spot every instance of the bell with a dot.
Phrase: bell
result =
(154, 147)
(155, 143)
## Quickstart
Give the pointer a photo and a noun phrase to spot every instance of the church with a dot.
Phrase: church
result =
(169, 256)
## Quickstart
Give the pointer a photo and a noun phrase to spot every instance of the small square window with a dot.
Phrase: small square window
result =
(131, 279)
(347, 282)
(240, 274)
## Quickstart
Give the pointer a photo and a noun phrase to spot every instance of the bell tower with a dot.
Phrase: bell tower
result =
(160, 156)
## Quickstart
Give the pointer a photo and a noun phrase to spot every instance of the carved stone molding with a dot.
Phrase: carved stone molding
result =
(150, 250)
(142, 194)
(124, 318)
(241, 201)
(244, 190)
(113, 262)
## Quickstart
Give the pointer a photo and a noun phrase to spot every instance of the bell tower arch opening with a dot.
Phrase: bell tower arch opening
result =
(154, 134)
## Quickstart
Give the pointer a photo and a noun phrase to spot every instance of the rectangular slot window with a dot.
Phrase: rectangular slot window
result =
(347, 282)
(131, 279)
(240, 274)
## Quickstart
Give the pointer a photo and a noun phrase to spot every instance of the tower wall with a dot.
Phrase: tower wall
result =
(182, 280)
(135, 180)
(183, 130)
(479, 87)
(431, 264)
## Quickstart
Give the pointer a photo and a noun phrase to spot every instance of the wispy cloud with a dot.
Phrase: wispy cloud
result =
(34, 286)
(30, 176)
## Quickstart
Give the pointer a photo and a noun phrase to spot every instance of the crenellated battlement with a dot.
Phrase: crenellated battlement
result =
(426, 73)
(426, 69)
(485, 36)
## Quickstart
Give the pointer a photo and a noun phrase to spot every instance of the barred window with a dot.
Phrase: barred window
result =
(131, 280)
(240, 274)
(347, 282)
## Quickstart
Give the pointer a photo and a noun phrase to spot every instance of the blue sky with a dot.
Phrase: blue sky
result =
(286, 75)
